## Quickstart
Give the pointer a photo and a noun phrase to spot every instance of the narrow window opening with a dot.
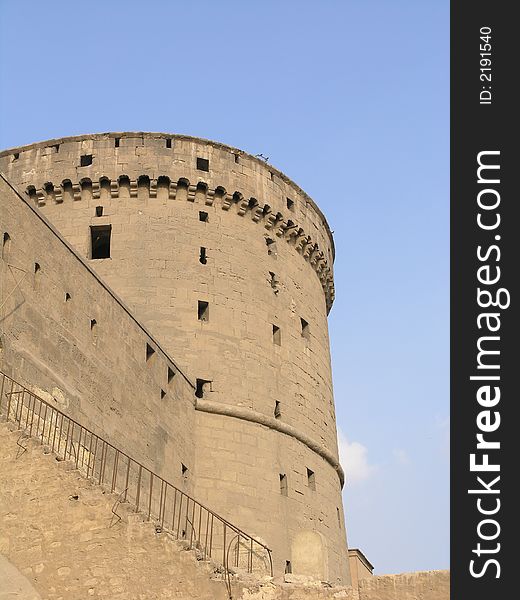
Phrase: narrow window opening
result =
(288, 566)
(304, 329)
(290, 204)
(149, 352)
(203, 216)
(93, 324)
(169, 143)
(163, 394)
(277, 336)
(274, 282)
(202, 164)
(6, 244)
(237, 158)
(171, 374)
(16, 156)
(203, 258)
(271, 175)
(100, 241)
(203, 310)
(67, 296)
(56, 148)
(85, 160)
(311, 480)
(37, 274)
(283, 484)
(99, 211)
(277, 410)
(200, 387)
(184, 470)
(339, 517)
(116, 142)
(271, 246)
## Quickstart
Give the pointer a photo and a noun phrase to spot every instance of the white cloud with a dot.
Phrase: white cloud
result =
(353, 457)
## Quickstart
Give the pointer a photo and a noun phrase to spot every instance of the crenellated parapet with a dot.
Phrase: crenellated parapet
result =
(164, 188)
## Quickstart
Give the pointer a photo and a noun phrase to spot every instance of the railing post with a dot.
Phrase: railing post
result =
(224, 561)
(18, 418)
(127, 477)
(174, 507)
(250, 561)
(138, 488)
(39, 421)
(32, 415)
(179, 519)
(10, 395)
(150, 498)
(114, 472)
(28, 408)
(154, 511)
(2, 392)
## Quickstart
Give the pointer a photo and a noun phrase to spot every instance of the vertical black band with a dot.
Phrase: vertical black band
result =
(485, 257)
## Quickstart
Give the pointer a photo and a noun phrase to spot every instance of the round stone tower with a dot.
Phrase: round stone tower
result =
(229, 264)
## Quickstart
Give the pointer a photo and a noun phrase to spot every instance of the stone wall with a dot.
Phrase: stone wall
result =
(59, 533)
(58, 529)
(265, 435)
(67, 337)
(422, 585)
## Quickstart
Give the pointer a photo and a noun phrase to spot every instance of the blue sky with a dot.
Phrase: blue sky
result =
(351, 100)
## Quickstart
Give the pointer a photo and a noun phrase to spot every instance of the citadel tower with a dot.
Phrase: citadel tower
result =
(228, 264)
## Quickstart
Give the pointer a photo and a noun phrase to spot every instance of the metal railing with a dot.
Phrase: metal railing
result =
(178, 514)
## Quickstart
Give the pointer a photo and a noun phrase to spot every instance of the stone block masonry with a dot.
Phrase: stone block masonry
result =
(226, 265)
(59, 539)
(59, 531)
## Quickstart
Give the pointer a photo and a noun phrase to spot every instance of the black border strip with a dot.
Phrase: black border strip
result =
(484, 127)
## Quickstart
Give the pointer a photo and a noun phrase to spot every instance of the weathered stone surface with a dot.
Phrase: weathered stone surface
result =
(422, 585)
(59, 540)
(236, 441)
(13, 584)
(72, 549)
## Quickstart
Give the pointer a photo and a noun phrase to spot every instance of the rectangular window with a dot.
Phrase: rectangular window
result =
(283, 484)
(99, 211)
(277, 336)
(100, 241)
(311, 480)
(202, 386)
(85, 160)
(203, 259)
(202, 164)
(203, 311)
(271, 246)
(203, 216)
